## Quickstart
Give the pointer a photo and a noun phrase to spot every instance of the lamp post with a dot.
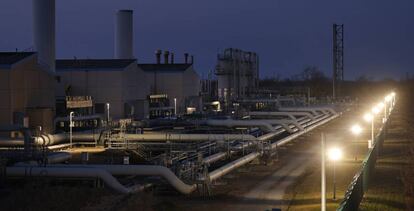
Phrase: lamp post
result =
(370, 118)
(393, 99)
(70, 127)
(334, 154)
(323, 176)
(356, 130)
(387, 101)
(107, 112)
(380, 107)
(175, 106)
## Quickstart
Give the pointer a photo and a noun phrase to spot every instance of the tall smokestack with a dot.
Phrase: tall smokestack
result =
(158, 56)
(166, 55)
(44, 32)
(172, 58)
(185, 58)
(124, 35)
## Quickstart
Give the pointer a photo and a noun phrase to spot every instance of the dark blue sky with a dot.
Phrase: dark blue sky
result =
(287, 34)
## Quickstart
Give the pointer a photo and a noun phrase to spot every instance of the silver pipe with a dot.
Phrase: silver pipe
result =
(37, 171)
(248, 158)
(314, 110)
(243, 123)
(279, 113)
(231, 166)
(136, 170)
(308, 129)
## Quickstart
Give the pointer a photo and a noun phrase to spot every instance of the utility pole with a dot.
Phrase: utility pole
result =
(338, 59)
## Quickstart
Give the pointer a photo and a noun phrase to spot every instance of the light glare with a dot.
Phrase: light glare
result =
(368, 117)
(335, 154)
(356, 129)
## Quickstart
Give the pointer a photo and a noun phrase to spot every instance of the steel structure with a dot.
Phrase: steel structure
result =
(338, 59)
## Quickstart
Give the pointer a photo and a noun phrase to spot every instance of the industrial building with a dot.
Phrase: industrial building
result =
(26, 91)
(119, 86)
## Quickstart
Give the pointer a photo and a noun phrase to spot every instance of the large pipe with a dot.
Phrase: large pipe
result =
(27, 140)
(308, 129)
(78, 172)
(314, 110)
(248, 158)
(135, 170)
(44, 33)
(124, 35)
(241, 123)
(276, 113)
(232, 165)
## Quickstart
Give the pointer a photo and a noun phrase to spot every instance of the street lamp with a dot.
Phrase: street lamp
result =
(393, 99)
(334, 155)
(370, 118)
(388, 99)
(107, 112)
(70, 127)
(375, 110)
(175, 106)
(356, 130)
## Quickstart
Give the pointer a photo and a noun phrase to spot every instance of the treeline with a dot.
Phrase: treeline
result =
(320, 85)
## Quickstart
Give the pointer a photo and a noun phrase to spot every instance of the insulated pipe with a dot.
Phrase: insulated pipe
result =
(325, 110)
(83, 172)
(28, 141)
(189, 137)
(58, 157)
(284, 123)
(231, 166)
(279, 113)
(62, 138)
(124, 35)
(137, 170)
(308, 129)
(241, 123)
(248, 158)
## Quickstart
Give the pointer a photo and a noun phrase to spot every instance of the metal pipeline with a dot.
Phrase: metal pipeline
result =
(240, 123)
(248, 158)
(231, 166)
(314, 110)
(79, 172)
(279, 113)
(308, 129)
(134, 170)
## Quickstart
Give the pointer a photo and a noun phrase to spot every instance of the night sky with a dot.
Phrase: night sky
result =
(287, 34)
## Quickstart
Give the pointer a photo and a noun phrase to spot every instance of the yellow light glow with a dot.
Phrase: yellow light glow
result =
(356, 129)
(388, 98)
(335, 154)
(375, 110)
(368, 117)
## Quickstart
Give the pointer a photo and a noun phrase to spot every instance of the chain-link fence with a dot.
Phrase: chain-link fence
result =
(360, 182)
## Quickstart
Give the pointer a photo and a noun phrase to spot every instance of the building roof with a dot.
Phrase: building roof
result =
(164, 67)
(10, 58)
(92, 64)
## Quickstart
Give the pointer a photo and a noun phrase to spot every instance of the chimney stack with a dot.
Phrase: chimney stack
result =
(166, 55)
(185, 58)
(44, 32)
(124, 35)
(158, 56)
(172, 58)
